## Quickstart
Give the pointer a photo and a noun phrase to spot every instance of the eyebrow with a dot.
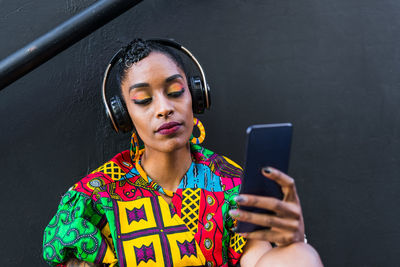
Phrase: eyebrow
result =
(138, 85)
(173, 77)
(169, 79)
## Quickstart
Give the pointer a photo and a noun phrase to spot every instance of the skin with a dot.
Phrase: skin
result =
(286, 227)
(167, 158)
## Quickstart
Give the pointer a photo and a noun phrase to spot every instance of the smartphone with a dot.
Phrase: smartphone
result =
(267, 145)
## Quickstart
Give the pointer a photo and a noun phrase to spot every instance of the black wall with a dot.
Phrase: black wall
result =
(329, 67)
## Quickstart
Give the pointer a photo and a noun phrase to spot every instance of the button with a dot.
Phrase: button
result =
(208, 243)
(209, 216)
(127, 164)
(208, 226)
(209, 264)
(210, 200)
(95, 182)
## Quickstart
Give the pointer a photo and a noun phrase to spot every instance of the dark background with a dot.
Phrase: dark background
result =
(329, 67)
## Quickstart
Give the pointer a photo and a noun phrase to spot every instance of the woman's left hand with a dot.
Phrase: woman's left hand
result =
(286, 224)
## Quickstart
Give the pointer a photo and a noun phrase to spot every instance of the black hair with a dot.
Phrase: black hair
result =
(137, 50)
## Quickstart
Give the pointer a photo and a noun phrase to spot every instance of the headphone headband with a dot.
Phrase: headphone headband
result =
(166, 42)
(103, 87)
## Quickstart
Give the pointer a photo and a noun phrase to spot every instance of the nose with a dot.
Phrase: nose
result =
(164, 107)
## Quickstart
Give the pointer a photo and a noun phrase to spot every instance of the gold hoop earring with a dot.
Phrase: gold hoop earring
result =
(200, 139)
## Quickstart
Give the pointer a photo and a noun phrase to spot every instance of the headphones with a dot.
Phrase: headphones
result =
(118, 114)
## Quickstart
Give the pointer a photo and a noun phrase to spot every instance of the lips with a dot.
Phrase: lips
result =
(169, 128)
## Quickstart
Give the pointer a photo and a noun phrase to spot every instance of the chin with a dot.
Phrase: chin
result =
(173, 144)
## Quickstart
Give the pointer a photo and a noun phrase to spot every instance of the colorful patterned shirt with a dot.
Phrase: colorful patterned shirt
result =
(117, 216)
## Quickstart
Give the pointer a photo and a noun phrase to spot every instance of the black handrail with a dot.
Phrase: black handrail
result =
(60, 38)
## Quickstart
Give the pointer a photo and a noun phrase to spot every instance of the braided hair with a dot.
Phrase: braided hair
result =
(138, 49)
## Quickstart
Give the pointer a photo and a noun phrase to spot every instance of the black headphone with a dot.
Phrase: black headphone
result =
(198, 87)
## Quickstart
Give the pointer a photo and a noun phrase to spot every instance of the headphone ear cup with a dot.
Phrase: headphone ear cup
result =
(198, 94)
(120, 115)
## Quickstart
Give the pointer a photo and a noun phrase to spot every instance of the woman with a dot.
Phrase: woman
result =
(170, 203)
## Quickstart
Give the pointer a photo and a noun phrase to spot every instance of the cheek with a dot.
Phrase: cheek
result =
(188, 110)
(188, 102)
(139, 119)
(189, 114)
(143, 130)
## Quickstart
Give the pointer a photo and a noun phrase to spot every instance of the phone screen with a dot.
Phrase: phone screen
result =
(267, 145)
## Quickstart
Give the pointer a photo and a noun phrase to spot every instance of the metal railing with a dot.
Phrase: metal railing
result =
(60, 38)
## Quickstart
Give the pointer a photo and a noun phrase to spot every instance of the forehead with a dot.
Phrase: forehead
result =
(155, 66)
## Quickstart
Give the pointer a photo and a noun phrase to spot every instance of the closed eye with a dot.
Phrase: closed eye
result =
(176, 93)
(144, 101)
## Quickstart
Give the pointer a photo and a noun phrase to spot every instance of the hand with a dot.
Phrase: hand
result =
(286, 224)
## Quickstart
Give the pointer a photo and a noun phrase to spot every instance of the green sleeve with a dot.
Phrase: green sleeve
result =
(72, 232)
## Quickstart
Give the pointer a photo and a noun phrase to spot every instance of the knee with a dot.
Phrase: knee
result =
(296, 254)
(305, 254)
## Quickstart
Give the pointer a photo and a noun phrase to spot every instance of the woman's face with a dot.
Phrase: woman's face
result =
(159, 103)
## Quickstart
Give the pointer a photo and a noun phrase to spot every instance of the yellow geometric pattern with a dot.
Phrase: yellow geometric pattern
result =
(128, 226)
(237, 242)
(111, 169)
(154, 238)
(190, 208)
(187, 260)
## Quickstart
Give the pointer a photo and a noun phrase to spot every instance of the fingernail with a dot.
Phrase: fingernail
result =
(234, 213)
(266, 170)
(240, 199)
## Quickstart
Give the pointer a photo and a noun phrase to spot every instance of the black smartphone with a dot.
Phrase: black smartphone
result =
(267, 145)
